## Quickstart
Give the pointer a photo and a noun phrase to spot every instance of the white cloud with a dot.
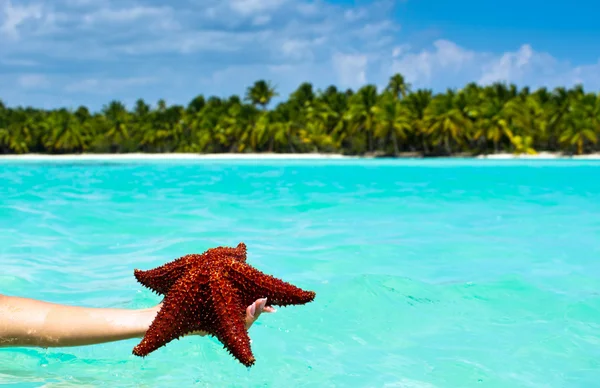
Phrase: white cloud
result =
(307, 8)
(79, 3)
(125, 15)
(107, 85)
(12, 17)
(375, 29)
(400, 49)
(99, 50)
(355, 14)
(351, 69)
(33, 81)
(420, 67)
(587, 74)
(450, 65)
(301, 49)
(247, 7)
(261, 20)
(509, 66)
(536, 69)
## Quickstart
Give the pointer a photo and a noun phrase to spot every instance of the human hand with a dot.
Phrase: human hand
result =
(29, 322)
(252, 313)
(255, 309)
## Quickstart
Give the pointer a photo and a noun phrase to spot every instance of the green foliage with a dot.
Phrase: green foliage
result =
(395, 120)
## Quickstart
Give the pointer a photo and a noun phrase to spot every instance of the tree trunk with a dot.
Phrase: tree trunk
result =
(395, 143)
(290, 143)
(447, 145)
(425, 148)
(232, 148)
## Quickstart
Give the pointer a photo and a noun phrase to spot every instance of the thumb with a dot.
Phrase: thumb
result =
(254, 310)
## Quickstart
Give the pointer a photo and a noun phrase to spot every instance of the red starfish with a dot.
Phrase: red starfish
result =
(210, 293)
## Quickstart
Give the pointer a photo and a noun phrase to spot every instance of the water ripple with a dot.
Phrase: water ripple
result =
(428, 273)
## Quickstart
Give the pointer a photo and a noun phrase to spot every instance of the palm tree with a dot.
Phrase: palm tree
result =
(473, 119)
(66, 132)
(493, 122)
(19, 132)
(361, 113)
(398, 86)
(523, 144)
(446, 122)
(317, 131)
(261, 93)
(416, 104)
(581, 122)
(196, 105)
(392, 120)
(117, 120)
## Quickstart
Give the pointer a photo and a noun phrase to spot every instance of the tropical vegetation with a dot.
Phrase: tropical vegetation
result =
(394, 121)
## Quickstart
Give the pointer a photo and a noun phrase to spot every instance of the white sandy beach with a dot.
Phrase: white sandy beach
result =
(541, 155)
(262, 156)
(170, 156)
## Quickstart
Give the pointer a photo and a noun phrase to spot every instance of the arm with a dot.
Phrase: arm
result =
(29, 322)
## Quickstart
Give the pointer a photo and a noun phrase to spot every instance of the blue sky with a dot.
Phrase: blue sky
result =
(71, 52)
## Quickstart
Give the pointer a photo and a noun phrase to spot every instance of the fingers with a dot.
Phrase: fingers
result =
(255, 309)
(252, 313)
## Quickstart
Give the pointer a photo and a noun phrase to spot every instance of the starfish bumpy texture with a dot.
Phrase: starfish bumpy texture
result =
(210, 292)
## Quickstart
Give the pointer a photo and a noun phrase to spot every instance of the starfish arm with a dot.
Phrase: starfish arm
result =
(184, 310)
(254, 285)
(238, 253)
(161, 279)
(228, 323)
(241, 251)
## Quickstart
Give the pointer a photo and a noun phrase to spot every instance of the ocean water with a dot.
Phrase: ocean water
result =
(428, 273)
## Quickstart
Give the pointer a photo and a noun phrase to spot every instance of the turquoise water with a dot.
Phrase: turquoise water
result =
(428, 273)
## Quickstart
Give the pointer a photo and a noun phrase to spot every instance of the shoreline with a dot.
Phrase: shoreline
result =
(540, 155)
(275, 156)
(171, 156)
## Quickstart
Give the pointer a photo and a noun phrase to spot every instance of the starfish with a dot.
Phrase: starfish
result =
(210, 292)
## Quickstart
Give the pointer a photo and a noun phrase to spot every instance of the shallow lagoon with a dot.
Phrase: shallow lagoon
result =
(428, 272)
